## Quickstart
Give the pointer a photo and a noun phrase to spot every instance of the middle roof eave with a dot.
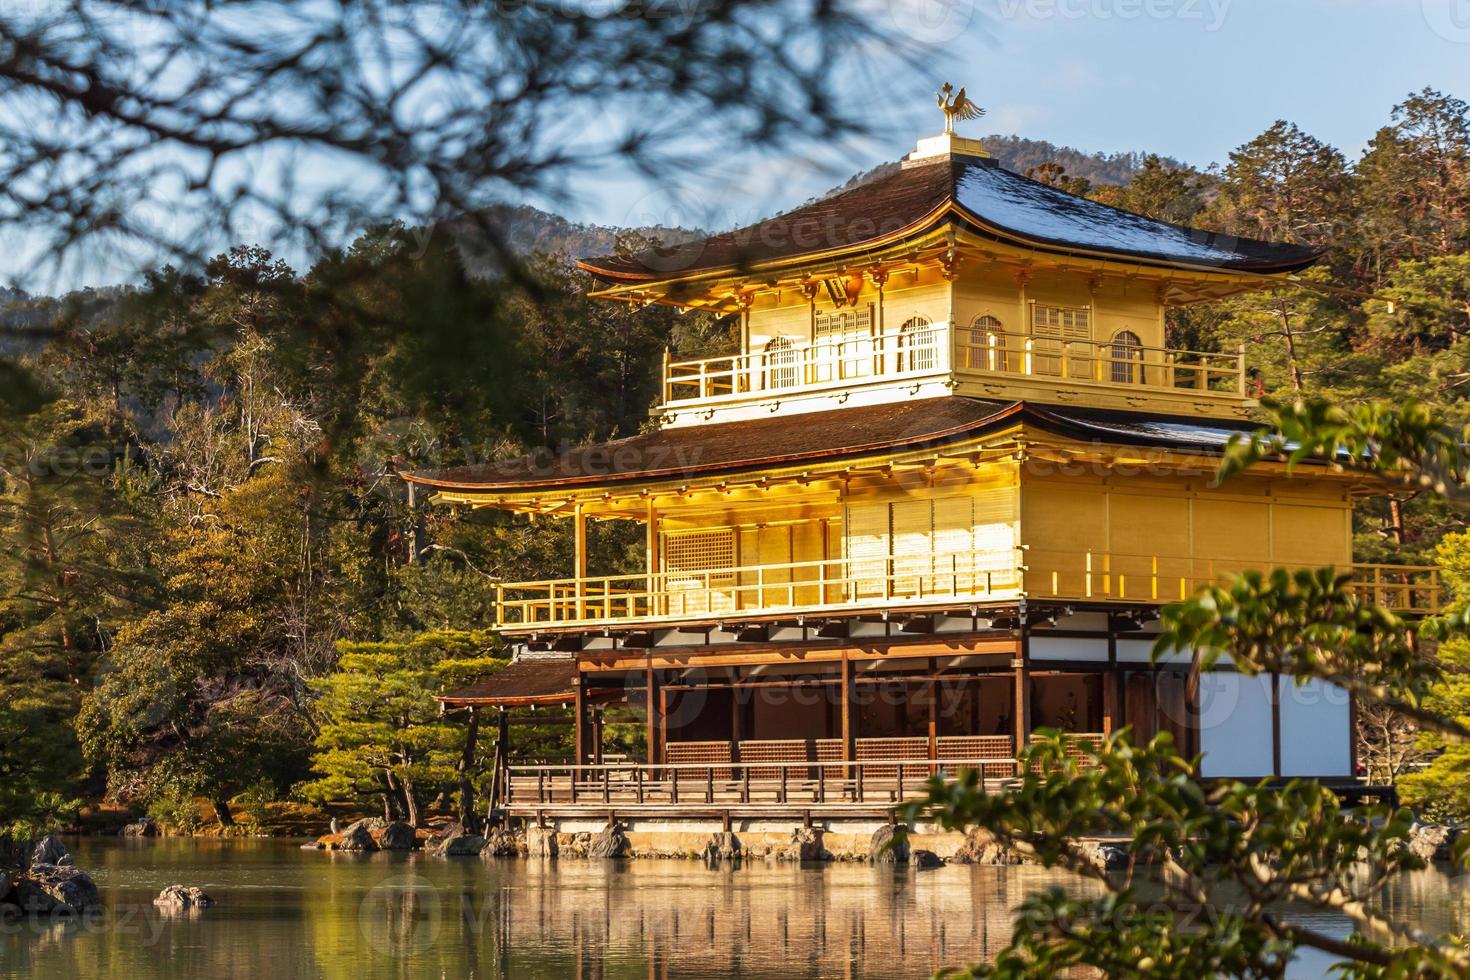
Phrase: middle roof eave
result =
(731, 448)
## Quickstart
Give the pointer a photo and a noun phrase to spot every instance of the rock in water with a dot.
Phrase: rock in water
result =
(805, 845)
(503, 843)
(889, 846)
(48, 888)
(142, 827)
(50, 850)
(926, 859)
(458, 845)
(1431, 842)
(723, 846)
(1104, 857)
(180, 897)
(398, 836)
(366, 823)
(357, 838)
(611, 843)
(541, 842)
(982, 847)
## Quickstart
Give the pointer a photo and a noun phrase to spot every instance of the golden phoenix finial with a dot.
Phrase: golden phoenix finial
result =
(960, 107)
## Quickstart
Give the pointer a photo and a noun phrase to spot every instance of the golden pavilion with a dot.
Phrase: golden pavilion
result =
(931, 504)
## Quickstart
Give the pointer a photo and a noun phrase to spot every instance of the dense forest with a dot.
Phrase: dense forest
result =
(207, 590)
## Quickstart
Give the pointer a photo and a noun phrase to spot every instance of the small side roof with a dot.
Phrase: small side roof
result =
(530, 679)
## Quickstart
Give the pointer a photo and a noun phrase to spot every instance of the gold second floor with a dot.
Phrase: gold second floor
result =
(974, 531)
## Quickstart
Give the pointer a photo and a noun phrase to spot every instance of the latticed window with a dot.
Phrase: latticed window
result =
(918, 349)
(1126, 353)
(698, 569)
(781, 369)
(985, 345)
(1061, 322)
(843, 344)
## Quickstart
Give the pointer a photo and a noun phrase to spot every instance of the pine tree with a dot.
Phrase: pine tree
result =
(382, 733)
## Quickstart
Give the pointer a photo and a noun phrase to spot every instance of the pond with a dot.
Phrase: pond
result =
(286, 913)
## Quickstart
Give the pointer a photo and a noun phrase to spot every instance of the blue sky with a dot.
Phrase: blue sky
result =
(1192, 79)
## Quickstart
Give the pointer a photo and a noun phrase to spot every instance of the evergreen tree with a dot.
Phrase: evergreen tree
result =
(382, 734)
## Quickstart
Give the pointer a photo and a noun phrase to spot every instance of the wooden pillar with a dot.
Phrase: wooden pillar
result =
(735, 733)
(498, 774)
(849, 721)
(597, 723)
(579, 557)
(1276, 724)
(650, 558)
(1021, 716)
(1112, 687)
(651, 699)
(932, 691)
(580, 707)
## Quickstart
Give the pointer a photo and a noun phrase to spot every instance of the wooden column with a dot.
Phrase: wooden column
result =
(1021, 717)
(597, 723)
(1112, 687)
(650, 557)
(849, 723)
(502, 758)
(651, 699)
(580, 708)
(933, 693)
(579, 557)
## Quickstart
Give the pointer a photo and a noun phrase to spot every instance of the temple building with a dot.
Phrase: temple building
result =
(932, 504)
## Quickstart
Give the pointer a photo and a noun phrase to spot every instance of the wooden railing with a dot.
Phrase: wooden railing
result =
(1103, 362)
(1416, 589)
(834, 583)
(768, 784)
(877, 583)
(838, 359)
(1109, 576)
(937, 349)
(790, 773)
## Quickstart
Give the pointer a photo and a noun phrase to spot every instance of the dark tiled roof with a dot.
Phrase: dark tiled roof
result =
(991, 200)
(531, 679)
(727, 447)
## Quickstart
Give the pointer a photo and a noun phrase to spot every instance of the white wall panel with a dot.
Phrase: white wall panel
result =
(1316, 729)
(1235, 725)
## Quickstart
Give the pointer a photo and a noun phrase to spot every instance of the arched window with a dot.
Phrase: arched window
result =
(780, 364)
(917, 350)
(987, 346)
(1126, 353)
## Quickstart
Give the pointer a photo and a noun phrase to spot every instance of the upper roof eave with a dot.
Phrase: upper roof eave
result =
(1246, 267)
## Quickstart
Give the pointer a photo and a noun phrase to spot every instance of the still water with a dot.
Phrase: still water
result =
(285, 913)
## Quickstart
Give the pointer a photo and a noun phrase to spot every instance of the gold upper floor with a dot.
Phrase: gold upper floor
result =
(951, 276)
(1050, 336)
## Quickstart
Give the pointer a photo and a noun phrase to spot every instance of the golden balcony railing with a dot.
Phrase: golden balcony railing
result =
(1107, 576)
(787, 366)
(919, 580)
(1100, 362)
(839, 583)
